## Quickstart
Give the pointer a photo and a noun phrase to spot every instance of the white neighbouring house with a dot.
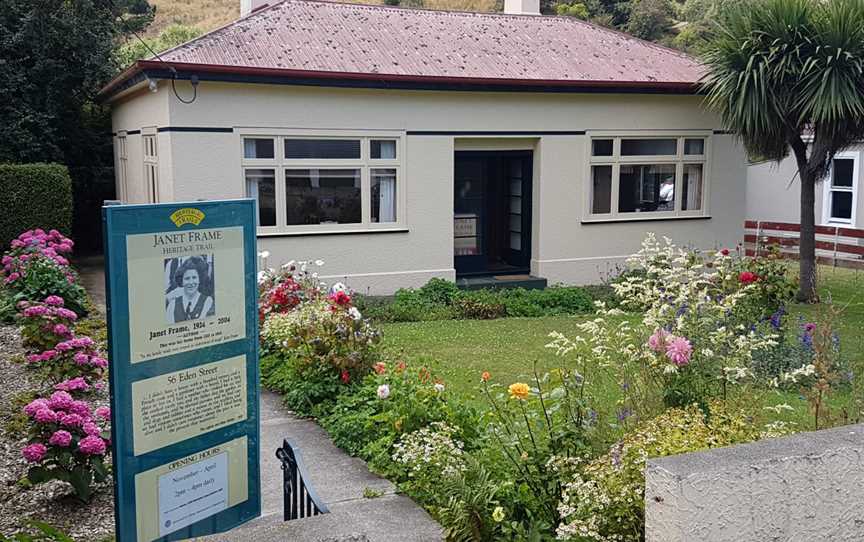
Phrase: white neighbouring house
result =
(400, 145)
(774, 192)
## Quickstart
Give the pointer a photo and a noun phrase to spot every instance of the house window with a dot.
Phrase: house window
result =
(840, 190)
(647, 176)
(151, 167)
(122, 168)
(317, 183)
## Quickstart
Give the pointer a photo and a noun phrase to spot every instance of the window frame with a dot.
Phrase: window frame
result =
(122, 166)
(616, 160)
(365, 164)
(828, 188)
(150, 163)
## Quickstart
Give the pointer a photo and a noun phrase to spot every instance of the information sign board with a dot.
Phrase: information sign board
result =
(183, 341)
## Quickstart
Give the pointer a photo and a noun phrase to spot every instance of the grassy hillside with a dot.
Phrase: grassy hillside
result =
(209, 14)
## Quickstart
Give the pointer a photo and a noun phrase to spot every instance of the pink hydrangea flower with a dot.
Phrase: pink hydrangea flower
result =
(60, 400)
(73, 384)
(45, 415)
(91, 428)
(81, 358)
(60, 438)
(54, 300)
(60, 329)
(34, 452)
(658, 340)
(66, 313)
(34, 406)
(82, 408)
(96, 361)
(103, 413)
(92, 445)
(70, 420)
(679, 350)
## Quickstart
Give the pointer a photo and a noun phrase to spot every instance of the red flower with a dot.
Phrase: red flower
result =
(340, 298)
(725, 252)
(747, 277)
(485, 376)
(346, 376)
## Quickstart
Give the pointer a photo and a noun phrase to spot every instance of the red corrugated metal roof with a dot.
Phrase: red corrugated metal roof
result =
(357, 41)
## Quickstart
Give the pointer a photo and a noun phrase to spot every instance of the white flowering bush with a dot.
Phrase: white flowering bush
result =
(431, 452)
(696, 335)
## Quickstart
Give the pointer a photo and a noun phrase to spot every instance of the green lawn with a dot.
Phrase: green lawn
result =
(460, 350)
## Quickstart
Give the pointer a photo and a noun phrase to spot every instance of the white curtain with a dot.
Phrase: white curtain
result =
(252, 192)
(387, 203)
(249, 149)
(694, 187)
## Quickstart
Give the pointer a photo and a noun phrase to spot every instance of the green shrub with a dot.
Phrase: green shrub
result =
(480, 305)
(44, 278)
(34, 196)
(408, 305)
(439, 291)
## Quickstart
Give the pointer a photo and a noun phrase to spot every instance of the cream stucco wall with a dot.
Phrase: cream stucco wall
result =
(774, 191)
(208, 165)
(803, 488)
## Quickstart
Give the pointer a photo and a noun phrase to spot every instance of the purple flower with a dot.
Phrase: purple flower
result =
(60, 438)
(81, 358)
(98, 362)
(657, 341)
(34, 406)
(34, 452)
(60, 329)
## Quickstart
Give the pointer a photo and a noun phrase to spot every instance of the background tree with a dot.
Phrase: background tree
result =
(54, 57)
(781, 71)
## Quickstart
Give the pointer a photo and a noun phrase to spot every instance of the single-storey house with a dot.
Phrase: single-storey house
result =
(400, 145)
(774, 191)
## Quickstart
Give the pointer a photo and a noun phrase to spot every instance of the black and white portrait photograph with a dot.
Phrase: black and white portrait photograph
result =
(189, 288)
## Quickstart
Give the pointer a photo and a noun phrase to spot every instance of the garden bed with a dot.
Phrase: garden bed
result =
(52, 502)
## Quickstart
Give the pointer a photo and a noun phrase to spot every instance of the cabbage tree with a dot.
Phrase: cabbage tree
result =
(788, 76)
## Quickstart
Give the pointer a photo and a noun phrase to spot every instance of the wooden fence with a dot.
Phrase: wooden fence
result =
(836, 246)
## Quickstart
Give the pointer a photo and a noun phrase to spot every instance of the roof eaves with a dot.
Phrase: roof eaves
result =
(252, 74)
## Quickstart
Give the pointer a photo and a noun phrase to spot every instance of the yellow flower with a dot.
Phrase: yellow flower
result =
(518, 390)
(498, 514)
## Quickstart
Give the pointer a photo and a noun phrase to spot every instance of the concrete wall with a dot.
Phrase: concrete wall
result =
(804, 488)
(774, 192)
(208, 165)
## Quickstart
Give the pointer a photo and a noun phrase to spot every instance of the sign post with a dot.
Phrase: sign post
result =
(183, 341)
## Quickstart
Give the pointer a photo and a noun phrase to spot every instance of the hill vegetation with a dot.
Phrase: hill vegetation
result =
(682, 24)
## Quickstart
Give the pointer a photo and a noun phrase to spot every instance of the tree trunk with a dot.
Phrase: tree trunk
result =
(807, 247)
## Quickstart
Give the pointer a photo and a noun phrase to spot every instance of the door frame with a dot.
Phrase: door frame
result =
(478, 265)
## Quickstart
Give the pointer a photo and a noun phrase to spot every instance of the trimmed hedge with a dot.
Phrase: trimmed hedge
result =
(34, 196)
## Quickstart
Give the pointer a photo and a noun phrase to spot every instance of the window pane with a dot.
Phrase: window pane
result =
(258, 148)
(646, 188)
(694, 146)
(322, 196)
(383, 187)
(261, 186)
(649, 147)
(322, 148)
(383, 149)
(692, 187)
(843, 168)
(601, 195)
(601, 147)
(841, 205)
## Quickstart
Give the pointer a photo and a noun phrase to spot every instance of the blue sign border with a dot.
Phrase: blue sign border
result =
(118, 222)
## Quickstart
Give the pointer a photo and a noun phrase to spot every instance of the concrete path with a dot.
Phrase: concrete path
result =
(338, 478)
(339, 481)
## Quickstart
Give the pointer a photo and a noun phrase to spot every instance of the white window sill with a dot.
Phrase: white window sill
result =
(360, 231)
(643, 219)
